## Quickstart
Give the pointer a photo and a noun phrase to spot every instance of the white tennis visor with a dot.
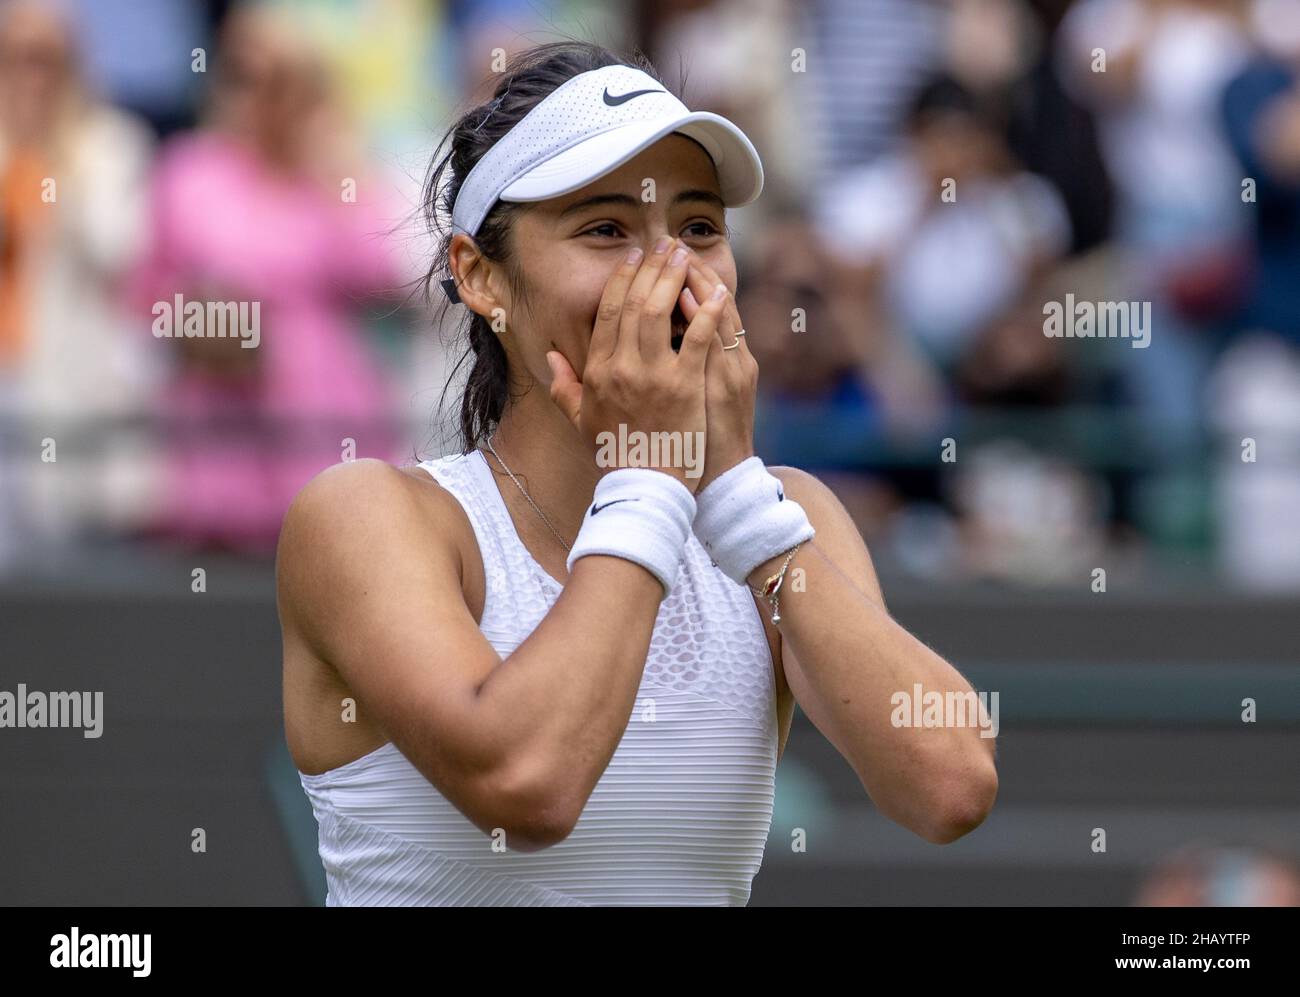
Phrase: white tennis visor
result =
(589, 126)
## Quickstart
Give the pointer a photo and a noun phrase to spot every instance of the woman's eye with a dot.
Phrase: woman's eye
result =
(706, 229)
(698, 230)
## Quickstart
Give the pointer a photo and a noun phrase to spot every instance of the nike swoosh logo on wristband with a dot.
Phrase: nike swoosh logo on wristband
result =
(597, 508)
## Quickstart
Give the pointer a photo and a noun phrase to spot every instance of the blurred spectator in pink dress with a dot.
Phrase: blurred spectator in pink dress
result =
(267, 204)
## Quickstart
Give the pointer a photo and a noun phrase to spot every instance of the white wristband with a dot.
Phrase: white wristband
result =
(641, 515)
(743, 518)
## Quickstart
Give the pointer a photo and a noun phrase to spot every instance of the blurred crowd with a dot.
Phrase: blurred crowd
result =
(937, 172)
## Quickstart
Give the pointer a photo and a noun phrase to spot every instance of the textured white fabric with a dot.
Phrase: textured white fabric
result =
(743, 518)
(641, 515)
(679, 817)
(589, 126)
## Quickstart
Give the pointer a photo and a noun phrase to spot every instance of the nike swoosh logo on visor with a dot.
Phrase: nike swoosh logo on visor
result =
(623, 98)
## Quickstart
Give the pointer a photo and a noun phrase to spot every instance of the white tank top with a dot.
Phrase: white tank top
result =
(680, 815)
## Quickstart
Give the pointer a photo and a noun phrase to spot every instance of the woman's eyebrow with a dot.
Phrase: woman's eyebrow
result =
(700, 195)
(626, 200)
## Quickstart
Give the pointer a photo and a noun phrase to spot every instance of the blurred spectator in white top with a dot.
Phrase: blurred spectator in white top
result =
(72, 218)
(1154, 71)
(1166, 63)
(947, 230)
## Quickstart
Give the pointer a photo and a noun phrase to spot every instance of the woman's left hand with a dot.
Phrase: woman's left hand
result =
(731, 378)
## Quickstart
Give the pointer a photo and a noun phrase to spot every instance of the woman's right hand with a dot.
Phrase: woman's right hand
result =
(633, 379)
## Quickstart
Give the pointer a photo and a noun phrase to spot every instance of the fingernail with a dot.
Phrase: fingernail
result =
(664, 242)
(689, 296)
(719, 292)
(634, 255)
(679, 257)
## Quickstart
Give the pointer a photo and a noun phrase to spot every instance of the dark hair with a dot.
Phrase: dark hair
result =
(944, 94)
(527, 79)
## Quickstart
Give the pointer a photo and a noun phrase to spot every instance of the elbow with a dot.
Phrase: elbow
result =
(962, 806)
(527, 812)
(535, 831)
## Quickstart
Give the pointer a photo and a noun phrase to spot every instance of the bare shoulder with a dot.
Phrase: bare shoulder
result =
(359, 502)
(373, 606)
(366, 479)
(354, 519)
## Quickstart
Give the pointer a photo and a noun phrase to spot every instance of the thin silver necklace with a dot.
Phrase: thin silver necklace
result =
(522, 489)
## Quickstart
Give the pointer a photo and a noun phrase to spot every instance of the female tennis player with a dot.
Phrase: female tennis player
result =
(551, 671)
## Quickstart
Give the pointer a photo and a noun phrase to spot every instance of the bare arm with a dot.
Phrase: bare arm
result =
(515, 744)
(845, 657)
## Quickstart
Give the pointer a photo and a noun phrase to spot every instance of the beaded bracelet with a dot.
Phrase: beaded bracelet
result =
(772, 587)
